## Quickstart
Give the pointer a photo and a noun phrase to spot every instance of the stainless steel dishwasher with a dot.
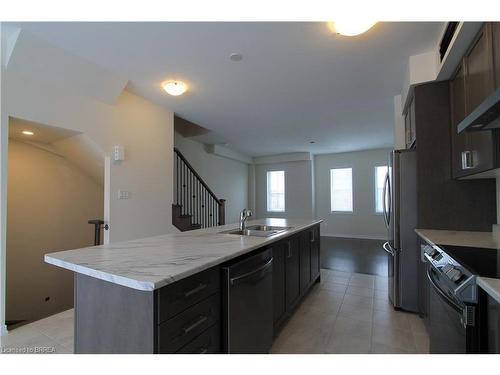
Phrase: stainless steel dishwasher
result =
(248, 304)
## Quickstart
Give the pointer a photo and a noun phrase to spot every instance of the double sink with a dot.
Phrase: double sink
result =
(258, 230)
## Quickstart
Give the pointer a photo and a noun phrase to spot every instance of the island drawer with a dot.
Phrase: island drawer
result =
(181, 329)
(182, 294)
(206, 343)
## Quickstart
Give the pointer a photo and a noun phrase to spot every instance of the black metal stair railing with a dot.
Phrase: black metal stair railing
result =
(193, 196)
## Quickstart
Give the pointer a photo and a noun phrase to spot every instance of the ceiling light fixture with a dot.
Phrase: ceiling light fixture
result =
(236, 57)
(351, 27)
(174, 88)
(27, 132)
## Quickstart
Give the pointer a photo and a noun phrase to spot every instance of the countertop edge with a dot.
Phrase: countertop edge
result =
(483, 282)
(424, 237)
(492, 290)
(150, 285)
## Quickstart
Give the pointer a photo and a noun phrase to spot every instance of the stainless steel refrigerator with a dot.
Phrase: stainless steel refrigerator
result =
(400, 217)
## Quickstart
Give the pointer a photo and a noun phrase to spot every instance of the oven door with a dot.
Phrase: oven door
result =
(448, 332)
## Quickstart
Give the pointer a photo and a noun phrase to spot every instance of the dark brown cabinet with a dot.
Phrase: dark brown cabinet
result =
(493, 329)
(410, 126)
(474, 81)
(305, 261)
(495, 41)
(279, 302)
(296, 267)
(292, 272)
(479, 76)
(315, 259)
(457, 105)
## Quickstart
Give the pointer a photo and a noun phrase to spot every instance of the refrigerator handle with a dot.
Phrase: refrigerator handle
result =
(384, 195)
(389, 194)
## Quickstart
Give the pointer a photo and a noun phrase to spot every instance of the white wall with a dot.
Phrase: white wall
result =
(146, 131)
(298, 189)
(363, 222)
(227, 178)
(50, 201)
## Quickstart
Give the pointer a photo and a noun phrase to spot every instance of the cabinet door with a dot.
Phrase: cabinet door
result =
(479, 78)
(315, 257)
(305, 261)
(413, 122)
(495, 36)
(458, 141)
(407, 129)
(292, 272)
(279, 307)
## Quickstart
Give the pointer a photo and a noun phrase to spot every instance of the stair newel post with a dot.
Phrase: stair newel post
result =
(222, 211)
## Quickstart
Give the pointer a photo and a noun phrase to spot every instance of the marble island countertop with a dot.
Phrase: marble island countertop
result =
(153, 262)
(485, 240)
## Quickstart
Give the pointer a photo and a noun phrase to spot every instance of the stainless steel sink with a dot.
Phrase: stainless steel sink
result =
(257, 231)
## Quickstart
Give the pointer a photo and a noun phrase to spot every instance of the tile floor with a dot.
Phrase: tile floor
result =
(50, 335)
(350, 313)
(345, 313)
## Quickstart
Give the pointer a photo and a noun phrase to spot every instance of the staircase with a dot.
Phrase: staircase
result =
(196, 206)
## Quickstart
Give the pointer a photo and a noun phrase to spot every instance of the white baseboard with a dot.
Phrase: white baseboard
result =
(357, 236)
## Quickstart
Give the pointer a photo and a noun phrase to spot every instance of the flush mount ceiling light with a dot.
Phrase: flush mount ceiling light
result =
(174, 88)
(351, 27)
(236, 57)
(27, 132)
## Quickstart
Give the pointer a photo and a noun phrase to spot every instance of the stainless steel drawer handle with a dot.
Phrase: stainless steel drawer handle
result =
(199, 288)
(202, 319)
(467, 160)
(313, 238)
(289, 255)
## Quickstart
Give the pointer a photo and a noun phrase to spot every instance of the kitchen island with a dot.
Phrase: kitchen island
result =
(163, 294)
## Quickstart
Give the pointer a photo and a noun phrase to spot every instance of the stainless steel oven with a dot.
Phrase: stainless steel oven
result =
(453, 297)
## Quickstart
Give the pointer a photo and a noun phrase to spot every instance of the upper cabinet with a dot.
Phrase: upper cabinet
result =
(410, 126)
(479, 75)
(475, 79)
(495, 41)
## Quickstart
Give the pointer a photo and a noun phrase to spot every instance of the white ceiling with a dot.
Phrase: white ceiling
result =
(297, 82)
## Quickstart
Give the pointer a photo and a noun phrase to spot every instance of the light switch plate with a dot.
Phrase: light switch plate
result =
(123, 194)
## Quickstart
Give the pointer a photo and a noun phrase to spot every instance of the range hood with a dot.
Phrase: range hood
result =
(485, 117)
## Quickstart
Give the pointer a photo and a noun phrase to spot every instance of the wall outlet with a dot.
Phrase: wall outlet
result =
(123, 194)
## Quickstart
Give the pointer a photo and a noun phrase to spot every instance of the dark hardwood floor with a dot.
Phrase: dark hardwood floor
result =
(354, 255)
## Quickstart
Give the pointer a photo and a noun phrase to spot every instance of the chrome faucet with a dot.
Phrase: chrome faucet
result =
(244, 215)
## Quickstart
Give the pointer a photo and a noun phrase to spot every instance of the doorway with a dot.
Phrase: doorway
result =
(55, 186)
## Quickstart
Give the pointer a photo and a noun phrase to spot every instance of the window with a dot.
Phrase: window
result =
(276, 191)
(341, 189)
(380, 173)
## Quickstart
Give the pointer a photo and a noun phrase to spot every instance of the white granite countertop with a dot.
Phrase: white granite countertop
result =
(153, 262)
(490, 286)
(484, 240)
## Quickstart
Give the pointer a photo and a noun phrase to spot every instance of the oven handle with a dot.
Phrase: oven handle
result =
(443, 295)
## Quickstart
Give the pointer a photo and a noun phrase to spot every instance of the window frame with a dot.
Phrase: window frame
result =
(268, 173)
(344, 212)
(375, 188)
